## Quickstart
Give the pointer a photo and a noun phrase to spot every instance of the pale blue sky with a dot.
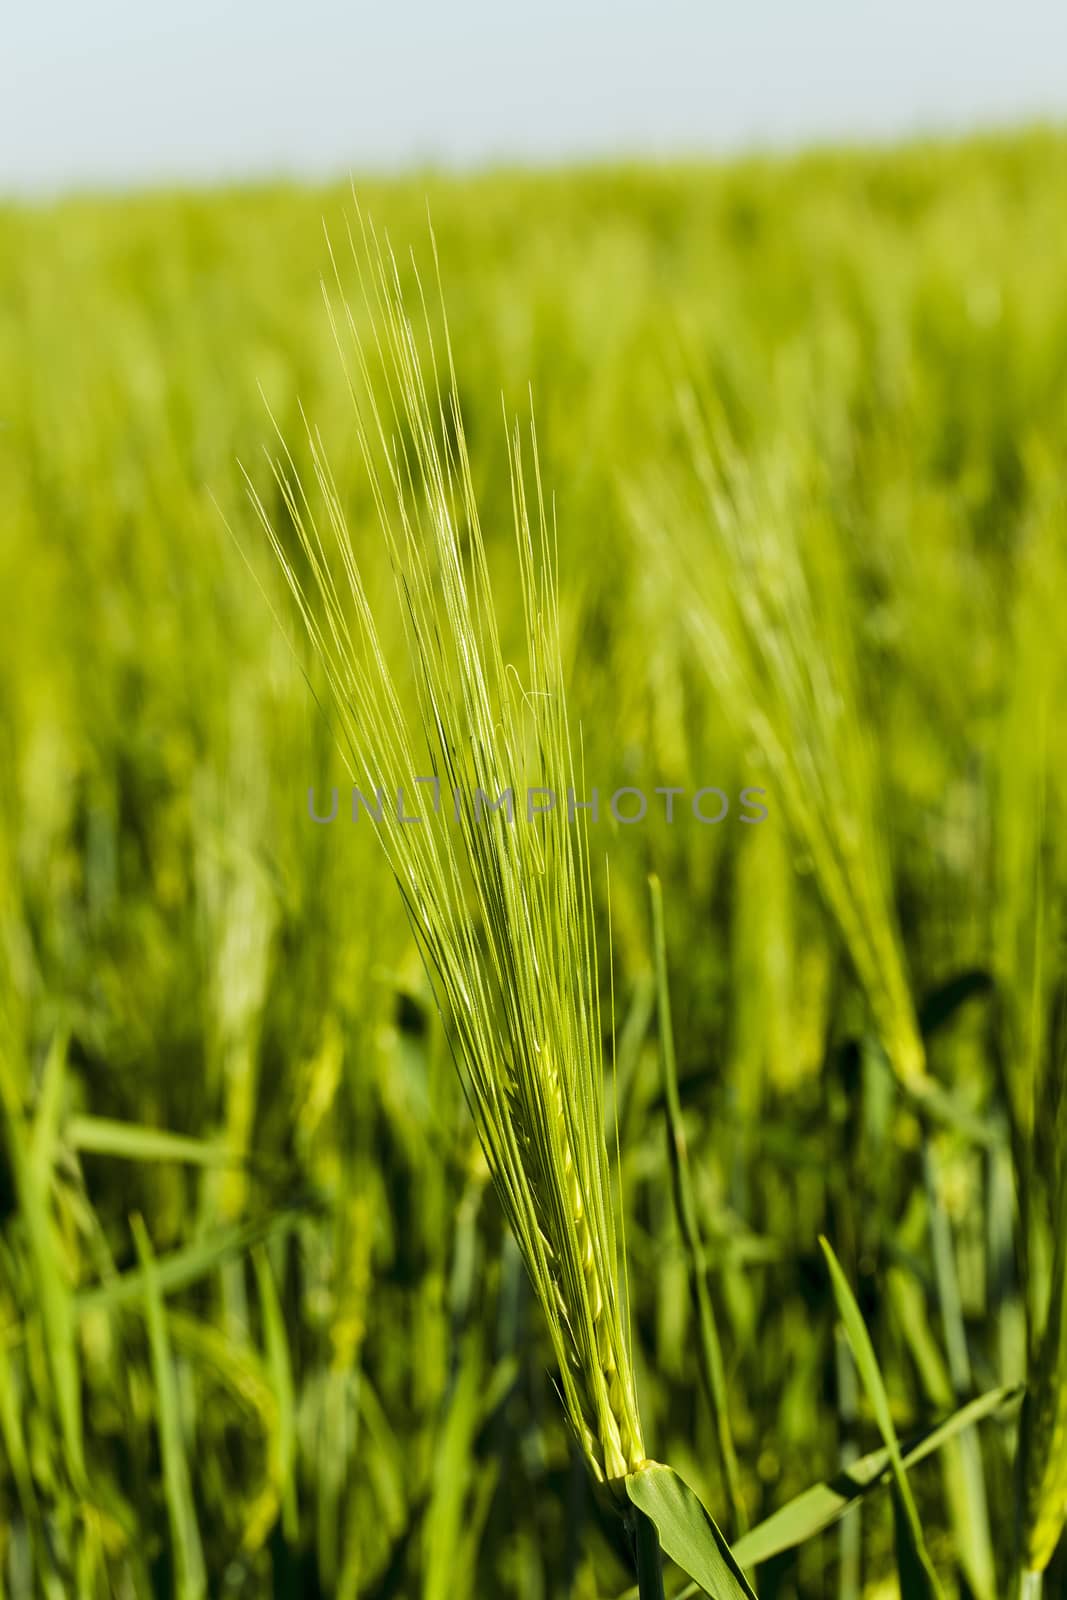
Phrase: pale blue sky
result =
(119, 91)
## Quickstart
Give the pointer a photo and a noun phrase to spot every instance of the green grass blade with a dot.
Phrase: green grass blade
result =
(686, 1531)
(962, 1466)
(30, 1149)
(280, 1367)
(11, 1430)
(1043, 1452)
(191, 1580)
(132, 1141)
(916, 1569)
(186, 1265)
(817, 1508)
(48, 1110)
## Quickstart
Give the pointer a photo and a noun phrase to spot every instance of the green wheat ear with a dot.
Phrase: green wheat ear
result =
(502, 910)
(758, 558)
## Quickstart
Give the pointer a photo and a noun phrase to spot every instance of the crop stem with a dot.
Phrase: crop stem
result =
(649, 1558)
(712, 1369)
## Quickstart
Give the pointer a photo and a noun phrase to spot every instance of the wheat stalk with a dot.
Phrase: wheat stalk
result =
(500, 906)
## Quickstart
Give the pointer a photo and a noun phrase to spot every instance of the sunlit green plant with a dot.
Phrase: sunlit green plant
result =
(500, 905)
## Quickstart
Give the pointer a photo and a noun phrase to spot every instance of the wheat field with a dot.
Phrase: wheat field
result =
(718, 512)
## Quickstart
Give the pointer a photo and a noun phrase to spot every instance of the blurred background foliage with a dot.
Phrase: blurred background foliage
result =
(262, 1333)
